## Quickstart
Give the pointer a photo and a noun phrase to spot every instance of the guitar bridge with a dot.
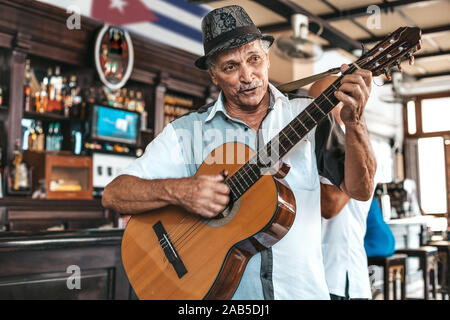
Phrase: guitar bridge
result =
(169, 249)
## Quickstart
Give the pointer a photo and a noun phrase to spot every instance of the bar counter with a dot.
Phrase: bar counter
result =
(81, 260)
(63, 265)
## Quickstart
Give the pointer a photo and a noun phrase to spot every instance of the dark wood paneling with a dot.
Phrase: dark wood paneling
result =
(35, 266)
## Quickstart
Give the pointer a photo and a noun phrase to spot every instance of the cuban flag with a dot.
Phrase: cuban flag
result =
(175, 23)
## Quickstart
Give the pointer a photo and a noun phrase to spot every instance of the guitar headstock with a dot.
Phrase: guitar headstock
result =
(395, 48)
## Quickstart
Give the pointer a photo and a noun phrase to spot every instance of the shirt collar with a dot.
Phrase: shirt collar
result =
(275, 94)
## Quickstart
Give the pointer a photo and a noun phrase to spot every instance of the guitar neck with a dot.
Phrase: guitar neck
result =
(284, 141)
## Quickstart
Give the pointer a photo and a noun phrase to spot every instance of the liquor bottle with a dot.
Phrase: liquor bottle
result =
(140, 103)
(43, 97)
(1, 96)
(18, 177)
(49, 138)
(40, 136)
(131, 105)
(123, 99)
(58, 84)
(57, 142)
(32, 138)
(27, 104)
(65, 94)
(51, 96)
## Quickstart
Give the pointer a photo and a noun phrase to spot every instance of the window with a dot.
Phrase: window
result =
(432, 175)
(435, 114)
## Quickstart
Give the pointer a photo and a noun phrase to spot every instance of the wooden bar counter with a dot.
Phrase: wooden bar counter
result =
(76, 263)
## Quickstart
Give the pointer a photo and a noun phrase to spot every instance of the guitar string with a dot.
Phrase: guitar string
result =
(190, 232)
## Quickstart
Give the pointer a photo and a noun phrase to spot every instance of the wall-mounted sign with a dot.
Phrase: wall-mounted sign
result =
(114, 56)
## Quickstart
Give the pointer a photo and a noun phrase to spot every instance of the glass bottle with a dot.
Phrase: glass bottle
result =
(27, 89)
(49, 138)
(40, 136)
(131, 101)
(140, 103)
(43, 97)
(51, 96)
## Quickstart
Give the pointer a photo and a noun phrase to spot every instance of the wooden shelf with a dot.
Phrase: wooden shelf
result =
(44, 116)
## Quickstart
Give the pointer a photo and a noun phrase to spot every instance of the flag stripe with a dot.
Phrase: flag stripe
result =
(174, 12)
(178, 27)
(198, 10)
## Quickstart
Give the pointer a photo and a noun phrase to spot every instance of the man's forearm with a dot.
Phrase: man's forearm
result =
(360, 164)
(131, 195)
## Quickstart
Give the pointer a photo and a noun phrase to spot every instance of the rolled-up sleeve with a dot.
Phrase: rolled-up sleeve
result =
(163, 158)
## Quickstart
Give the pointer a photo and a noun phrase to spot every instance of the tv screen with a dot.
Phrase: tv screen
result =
(115, 125)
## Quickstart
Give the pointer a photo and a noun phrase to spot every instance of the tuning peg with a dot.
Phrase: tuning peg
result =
(399, 67)
(411, 60)
(388, 75)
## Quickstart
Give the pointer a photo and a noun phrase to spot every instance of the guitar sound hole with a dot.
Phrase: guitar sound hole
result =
(225, 216)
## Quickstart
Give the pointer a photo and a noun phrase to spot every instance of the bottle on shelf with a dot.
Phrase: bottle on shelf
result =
(40, 137)
(140, 103)
(43, 97)
(1, 95)
(131, 105)
(57, 84)
(50, 85)
(49, 138)
(27, 104)
(65, 97)
(32, 137)
(57, 136)
(18, 173)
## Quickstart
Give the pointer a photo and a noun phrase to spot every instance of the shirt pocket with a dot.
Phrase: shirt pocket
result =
(303, 172)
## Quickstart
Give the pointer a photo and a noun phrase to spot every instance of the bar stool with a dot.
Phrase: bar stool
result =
(394, 269)
(443, 247)
(428, 257)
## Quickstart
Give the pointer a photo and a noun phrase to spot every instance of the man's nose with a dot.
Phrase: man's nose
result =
(246, 74)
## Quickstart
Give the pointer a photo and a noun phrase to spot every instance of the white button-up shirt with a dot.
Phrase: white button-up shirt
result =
(344, 253)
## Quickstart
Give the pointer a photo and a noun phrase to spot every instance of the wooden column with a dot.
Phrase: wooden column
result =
(160, 92)
(20, 47)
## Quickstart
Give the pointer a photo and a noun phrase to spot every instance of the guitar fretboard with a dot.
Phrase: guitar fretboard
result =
(258, 165)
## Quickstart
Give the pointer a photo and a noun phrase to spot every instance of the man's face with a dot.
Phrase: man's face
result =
(242, 74)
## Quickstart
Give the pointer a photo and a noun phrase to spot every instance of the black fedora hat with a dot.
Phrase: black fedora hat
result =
(227, 28)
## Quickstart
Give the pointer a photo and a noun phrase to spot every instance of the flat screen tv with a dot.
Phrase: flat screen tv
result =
(114, 125)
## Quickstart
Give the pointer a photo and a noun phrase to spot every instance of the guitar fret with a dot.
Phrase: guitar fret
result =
(314, 102)
(228, 182)
(282, 131)
(328, 99)
(239, 172)
(298, 119)
(310, 116)
(295, 131)
(234, 184)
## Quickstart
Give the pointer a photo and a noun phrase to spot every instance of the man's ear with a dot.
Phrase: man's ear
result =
(213, 76)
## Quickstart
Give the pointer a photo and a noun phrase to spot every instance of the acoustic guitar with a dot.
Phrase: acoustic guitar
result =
(170, 253)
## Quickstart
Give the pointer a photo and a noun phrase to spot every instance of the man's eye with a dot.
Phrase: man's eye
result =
(229, 67)
(255, 58)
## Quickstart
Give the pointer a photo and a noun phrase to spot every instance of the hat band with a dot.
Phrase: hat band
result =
(229, 35)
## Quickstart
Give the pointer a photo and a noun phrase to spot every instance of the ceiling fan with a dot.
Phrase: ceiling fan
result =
(298, 47)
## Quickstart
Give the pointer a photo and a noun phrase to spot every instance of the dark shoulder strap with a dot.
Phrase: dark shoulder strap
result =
(292, 96)
(330, 150)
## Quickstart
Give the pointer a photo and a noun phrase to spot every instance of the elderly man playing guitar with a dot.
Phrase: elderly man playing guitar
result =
(254, 111)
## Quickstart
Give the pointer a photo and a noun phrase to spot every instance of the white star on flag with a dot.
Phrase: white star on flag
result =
(118, 4)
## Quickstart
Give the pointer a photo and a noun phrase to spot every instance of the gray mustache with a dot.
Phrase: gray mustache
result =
(252, 85)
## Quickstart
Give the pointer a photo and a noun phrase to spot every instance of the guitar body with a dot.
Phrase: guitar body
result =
(172, 254)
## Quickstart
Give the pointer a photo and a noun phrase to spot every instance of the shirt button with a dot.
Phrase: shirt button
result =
(245, 128)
